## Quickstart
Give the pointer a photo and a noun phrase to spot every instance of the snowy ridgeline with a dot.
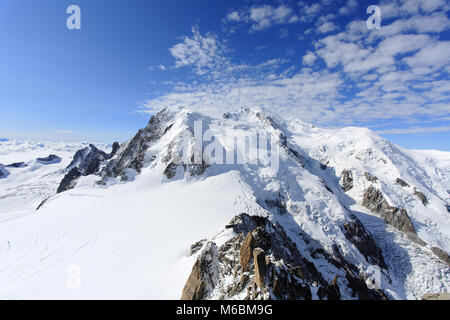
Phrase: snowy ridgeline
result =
(336, 214)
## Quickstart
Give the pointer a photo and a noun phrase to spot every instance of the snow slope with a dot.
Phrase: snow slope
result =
(131, 238)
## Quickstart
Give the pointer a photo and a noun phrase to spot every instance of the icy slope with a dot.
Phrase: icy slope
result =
(362, 151)
(127, 232)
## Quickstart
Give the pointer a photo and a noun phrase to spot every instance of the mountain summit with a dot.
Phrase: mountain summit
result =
(242, 206)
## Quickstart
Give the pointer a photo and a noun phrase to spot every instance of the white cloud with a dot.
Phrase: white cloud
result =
(393, 73)
(309, 58)
(432, 57)
(203, 53)
(349, 7)
(401, 8)
(234, 16)
(309, 11)
(414, 130)
(327, 27)
(303, 93)
(261, 17)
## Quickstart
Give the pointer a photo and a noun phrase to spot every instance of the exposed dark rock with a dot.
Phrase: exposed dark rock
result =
(171, 170)
(42, 203)
(197, 246)
(246, 252)
(415, 238)
(49, 159)
(402, 183)
(17, 165)
(331, 291)
(323, 166)
(370, 177)
(88, 160)
(297, 156)
(363, 241)
(362, 291)
(326, 186)
(226, 115)
(3, 172)
(69, 181)
(421, 196)
(441, 254)
(132, 154)
(201, 279)
(262, 263)
(259, 259)
(374, 200)
(174, 160)
(195, 169)
(115, 148)
(346, 180)
(85, 162)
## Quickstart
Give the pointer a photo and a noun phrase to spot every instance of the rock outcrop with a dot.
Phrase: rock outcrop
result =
(441, 254)
(3, 172)
(69, 181)
(189, 161)
(17, 165)
(114, 149)
(421, 196)
(402, 183)
(50, 159)
(346, 180)
(131, 156)
(356, 233)
(202, 278)
(88, 160)
(370, 177)
(85, 162)
(374, 200)
(261, 262)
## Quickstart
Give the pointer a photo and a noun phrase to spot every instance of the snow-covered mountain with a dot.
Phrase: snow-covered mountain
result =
(313, 214)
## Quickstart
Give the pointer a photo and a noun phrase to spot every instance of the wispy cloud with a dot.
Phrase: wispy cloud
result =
(261, 17)
(349, 7)
(353, 77)
(414, 130)
(203, 53)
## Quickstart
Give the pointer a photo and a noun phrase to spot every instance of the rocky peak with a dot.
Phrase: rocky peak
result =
(85, 162)
(261, 262)
(88, 160)
(132, 154)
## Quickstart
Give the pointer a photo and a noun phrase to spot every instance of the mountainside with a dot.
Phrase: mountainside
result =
(241, 206)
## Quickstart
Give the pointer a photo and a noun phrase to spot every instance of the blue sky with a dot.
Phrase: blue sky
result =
(314, 60)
